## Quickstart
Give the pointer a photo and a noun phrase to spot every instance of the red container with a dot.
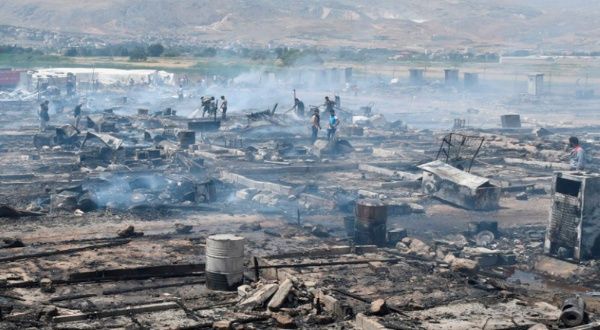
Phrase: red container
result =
(9, 78)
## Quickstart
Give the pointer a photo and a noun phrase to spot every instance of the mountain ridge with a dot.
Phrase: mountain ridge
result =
(394, 24)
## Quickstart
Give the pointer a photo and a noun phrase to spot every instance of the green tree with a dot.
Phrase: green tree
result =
(155, 50)
(72, 51)
(138, 54)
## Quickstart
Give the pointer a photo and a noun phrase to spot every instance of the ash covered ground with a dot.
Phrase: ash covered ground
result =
(439, 202)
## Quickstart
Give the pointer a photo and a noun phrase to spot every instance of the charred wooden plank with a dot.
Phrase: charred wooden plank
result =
(119, 274)
(65, 251)
(72, 297)
(122, 274)
(150, 287)
(331, 263)
(117, 312)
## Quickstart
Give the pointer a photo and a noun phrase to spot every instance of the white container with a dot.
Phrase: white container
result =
(224, 261)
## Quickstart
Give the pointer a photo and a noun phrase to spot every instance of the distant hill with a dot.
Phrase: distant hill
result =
(395, 24)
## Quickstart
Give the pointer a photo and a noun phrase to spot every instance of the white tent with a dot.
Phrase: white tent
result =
(108, 76)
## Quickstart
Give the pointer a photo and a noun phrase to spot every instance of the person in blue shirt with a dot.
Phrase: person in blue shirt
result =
(333, 124)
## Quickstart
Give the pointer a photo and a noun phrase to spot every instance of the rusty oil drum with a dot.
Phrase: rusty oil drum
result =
(370, 225)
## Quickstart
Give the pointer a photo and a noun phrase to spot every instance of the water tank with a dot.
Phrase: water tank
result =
(224, 262)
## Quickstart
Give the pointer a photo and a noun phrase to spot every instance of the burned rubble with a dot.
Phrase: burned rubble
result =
(146, 214)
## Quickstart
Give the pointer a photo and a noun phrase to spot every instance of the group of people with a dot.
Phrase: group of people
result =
(332, 123)
(577, 157)
(44, 114)
(210, 106)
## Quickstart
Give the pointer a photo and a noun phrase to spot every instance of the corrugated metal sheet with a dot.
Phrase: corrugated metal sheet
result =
(453, 174)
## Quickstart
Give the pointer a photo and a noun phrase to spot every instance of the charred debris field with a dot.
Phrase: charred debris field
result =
(434, 199)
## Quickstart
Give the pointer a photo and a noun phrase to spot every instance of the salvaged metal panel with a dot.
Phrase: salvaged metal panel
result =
(204, 125)
(511, 121)
(460, 150)
(101, 124)
(574, 223)
(458, 187)
(109, 140)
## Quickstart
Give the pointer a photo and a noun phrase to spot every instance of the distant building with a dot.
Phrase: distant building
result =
(348, 74)
(535, 84)
(471, 80)
(584, 93)
(416, 76)
(451, 76)
(336, 77)
(511, 121)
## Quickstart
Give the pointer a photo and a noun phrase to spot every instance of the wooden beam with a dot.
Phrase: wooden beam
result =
(150, 287)
(331, 263)
(123, 274)
(65, 251)
(131, 310)
(589, 326)
(72, 297)
(119, 274)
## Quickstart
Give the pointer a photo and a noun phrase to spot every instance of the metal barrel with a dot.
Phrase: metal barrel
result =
(573, 311)
(224, 262)
(371, 222)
